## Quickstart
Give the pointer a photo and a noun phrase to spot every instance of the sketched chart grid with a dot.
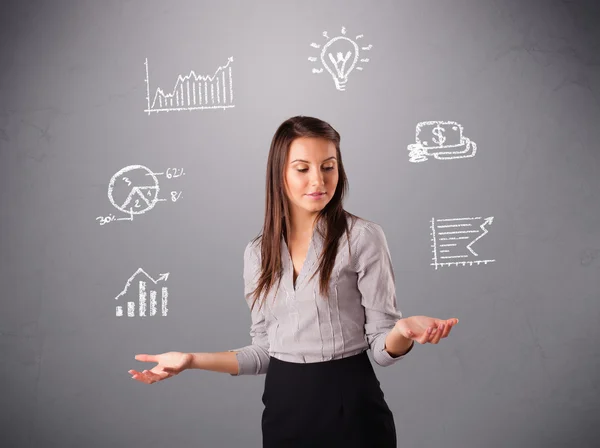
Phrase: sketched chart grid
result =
(193, 92)
(453, 239)
(141, 277)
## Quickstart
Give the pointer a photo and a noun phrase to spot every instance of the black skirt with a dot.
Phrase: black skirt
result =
(336, 403)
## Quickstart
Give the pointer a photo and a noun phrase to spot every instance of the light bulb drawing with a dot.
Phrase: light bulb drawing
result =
(339, 57)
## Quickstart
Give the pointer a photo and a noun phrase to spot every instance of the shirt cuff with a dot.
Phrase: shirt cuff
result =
(237, 351)
(384, 359)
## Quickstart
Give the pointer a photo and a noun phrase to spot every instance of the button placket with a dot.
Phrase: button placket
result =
(310, 258)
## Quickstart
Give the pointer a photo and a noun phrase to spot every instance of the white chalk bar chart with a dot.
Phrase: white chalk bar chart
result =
(140, 277)
(194, 92)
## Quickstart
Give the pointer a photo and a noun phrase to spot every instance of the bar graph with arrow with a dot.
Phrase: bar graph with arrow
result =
(141, 278)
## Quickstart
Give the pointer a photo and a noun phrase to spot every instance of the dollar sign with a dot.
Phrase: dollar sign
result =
(438, 131)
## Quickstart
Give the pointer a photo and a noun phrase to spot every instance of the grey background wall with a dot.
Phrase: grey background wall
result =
(522, 78)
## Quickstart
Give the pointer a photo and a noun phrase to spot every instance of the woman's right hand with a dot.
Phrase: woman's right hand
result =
(168, 364)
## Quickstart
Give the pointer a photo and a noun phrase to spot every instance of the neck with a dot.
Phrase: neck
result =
(302, 224)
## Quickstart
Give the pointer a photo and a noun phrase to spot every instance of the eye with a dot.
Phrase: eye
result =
(303, 170)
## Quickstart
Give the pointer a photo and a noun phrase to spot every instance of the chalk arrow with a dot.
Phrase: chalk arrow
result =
(488, 221)
(162, 277)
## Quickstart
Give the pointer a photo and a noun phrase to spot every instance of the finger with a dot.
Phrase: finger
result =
(145, 358)
(446, 329)
(160, 371)
(432, 334)
(452, 324)
(438, 331)
(142, 378)
(145, 376)
(153, 376)
(435, 331)
(424, 339)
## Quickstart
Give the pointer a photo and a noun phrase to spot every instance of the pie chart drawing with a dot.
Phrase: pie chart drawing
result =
(133, 190)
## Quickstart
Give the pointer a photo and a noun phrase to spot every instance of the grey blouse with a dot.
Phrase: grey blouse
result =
(297, 324)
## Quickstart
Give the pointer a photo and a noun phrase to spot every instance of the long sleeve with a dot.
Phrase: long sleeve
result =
(253, 359)
(376, 284)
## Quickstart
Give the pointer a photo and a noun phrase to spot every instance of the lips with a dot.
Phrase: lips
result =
(316, 194)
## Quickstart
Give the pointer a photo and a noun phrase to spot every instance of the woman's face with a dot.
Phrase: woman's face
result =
(311, 167)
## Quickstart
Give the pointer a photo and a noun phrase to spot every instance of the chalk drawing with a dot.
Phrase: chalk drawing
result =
(443, 140)
(453, 239)
(134, 191)
(141, 277)
(194, 92)
(339, 57)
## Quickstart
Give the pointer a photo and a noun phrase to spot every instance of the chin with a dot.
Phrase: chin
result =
(314, 208)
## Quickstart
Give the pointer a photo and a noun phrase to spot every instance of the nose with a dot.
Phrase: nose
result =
(317, 179)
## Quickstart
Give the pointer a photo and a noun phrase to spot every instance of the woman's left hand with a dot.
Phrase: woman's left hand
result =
(424, 329)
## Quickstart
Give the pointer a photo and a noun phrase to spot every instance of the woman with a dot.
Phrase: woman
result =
(310, 333)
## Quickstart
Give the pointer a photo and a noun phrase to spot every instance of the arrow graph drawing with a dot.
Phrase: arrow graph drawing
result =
(452, 240)
(194, 92)
(143, 294)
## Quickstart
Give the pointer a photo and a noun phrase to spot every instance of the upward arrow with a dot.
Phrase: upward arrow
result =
(486, 222)
(162, 277)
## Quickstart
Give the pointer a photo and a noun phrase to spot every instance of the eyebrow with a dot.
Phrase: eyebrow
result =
(305, 161)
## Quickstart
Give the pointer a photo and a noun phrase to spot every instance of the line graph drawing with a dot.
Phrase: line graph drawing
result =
(193, 92)
(339, 57)
(142, 303)
(134, 190)
(453, 239)
(443, 140)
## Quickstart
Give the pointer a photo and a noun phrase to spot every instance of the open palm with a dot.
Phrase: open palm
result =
(168, 364)
(424, 329)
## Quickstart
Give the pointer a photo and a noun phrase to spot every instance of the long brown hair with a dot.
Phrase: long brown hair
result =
(277, 214)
